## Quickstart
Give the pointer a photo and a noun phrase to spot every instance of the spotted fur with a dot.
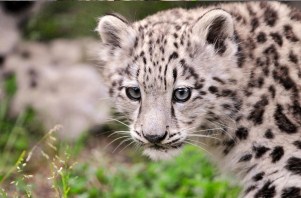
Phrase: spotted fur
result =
(242, 62)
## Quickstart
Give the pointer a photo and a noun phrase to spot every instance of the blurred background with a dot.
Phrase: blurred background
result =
(59, 136)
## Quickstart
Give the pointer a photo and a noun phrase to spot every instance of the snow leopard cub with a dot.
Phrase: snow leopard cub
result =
(228, 75)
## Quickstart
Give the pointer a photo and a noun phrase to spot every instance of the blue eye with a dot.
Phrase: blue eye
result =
(181, 94)
(133, 93)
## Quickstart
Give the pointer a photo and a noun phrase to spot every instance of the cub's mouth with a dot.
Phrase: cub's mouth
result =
(164, 147)
(161, 151)
(160, 147)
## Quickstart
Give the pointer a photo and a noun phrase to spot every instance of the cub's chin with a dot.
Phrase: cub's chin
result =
(161, 154)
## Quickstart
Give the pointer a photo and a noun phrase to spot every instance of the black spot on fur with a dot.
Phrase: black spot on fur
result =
(176, 45)
(202, 93)
(245, 158)
(173, 114)
(218, 80)
(269, 134)
(213, 89)
(238, 17)
(271, 51)
(272, 91)
(256, 114)
(258, 176)
(251, 45)
(227, 92)
(239, 54)
(281, 75)
(293, 58)
(270, 16)
(267, 191)
(260, 151)
(277, 153)
(289, 34)
(260, 82)
(291, 192)
(138, 72)
(297, 144)
(283, 123)
(136, 42)
(263, 62)
(144, 60)
(226, 106)
(229, 144)
(294, 165)
(242, 133)
(254, 24)
(198, 85)
(261, 37)
(249, 189)
(188, 71)
(174, 74)
(277, 38)
(296, 110)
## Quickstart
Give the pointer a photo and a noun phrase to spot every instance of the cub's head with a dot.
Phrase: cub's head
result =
(173, 79)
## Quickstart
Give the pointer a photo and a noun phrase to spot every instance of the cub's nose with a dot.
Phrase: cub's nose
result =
(155, 138)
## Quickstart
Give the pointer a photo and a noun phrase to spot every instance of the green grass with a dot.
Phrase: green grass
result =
(77, 19)
(190, 175)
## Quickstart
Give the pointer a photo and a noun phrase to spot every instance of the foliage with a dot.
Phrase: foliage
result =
(76, 19)
(13, 136)
(190, 175)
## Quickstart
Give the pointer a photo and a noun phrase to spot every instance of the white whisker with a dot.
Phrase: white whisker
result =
(127, 146)
(216, 124)
(186, 141)
(126, 140)
(112, 119)
(205, 130)
(195, 141)
(125, 136)
(119, 132)
(203, 136)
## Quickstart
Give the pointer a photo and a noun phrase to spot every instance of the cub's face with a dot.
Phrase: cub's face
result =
(173, 82)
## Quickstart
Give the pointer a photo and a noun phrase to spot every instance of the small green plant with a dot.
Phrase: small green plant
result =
(60, 170)
(189, 175)
(21, 139)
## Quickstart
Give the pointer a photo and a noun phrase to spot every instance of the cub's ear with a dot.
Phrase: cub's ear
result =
(114, 30)
(214, 26)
